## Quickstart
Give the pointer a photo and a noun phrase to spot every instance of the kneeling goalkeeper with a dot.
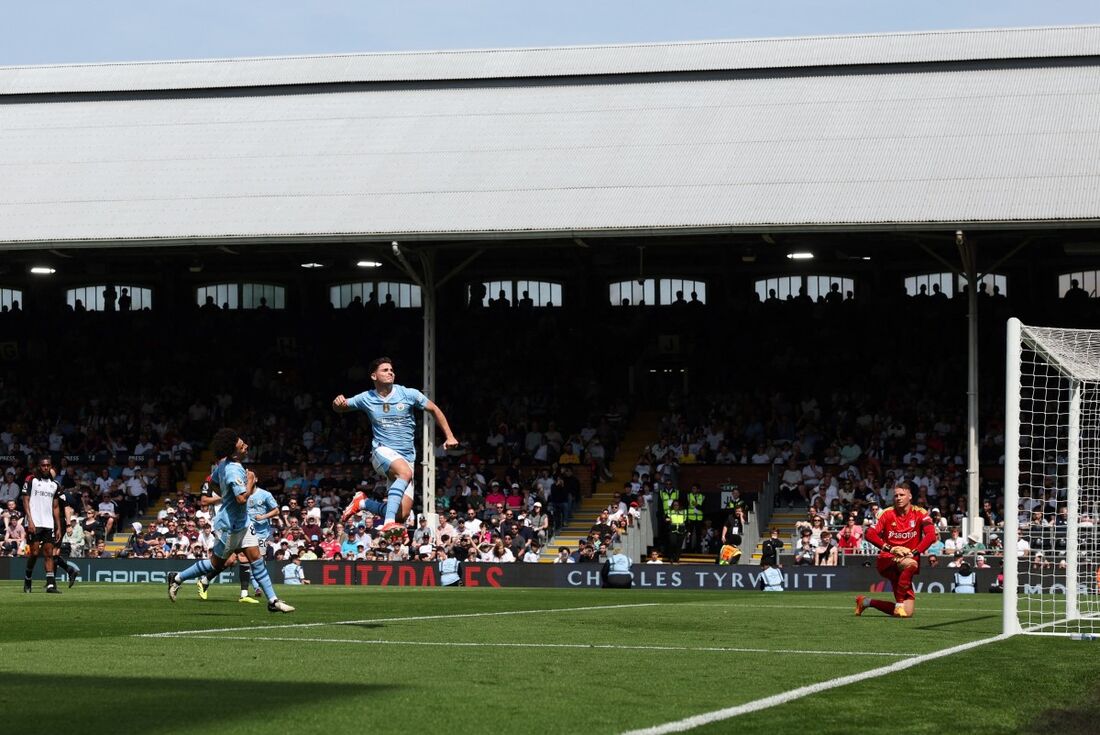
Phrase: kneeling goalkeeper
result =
(902, 533)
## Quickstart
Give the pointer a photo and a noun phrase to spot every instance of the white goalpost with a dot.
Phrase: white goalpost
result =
(1052, 481)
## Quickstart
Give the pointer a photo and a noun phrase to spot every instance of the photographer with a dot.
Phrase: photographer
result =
(450, 570)
(771, 579)
(616, 570)
(965, 579)
(770, 549)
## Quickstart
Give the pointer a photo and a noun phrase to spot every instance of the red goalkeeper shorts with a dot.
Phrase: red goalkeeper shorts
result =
(901, 580)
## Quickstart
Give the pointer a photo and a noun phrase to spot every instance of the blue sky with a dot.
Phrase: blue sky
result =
(65, 31)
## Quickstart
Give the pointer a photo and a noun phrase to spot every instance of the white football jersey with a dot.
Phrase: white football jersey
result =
(42, 495)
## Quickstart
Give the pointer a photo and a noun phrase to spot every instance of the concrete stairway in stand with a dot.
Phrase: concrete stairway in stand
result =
(641, 433)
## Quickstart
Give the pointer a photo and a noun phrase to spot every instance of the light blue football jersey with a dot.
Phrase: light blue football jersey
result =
(392, 419)
(230, 478)
(260, 502)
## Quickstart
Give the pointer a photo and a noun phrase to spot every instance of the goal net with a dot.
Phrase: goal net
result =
(1052, 481)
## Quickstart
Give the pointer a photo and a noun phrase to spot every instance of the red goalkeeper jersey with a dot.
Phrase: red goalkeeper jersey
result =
(913, 529)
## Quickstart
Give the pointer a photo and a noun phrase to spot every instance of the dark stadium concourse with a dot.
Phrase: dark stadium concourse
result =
(609, 311)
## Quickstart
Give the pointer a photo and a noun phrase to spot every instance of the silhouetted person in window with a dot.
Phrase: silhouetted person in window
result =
(225, 306)
(997, 293)
(477, 295)
(922, 292)
(79, 307)
(772, 298)
(695, 300)
(938, 293)
(500, 302)
(263, 304)
(803, 296)
(110, 296)
(679, 300)
(834, 296)
(356, 304)
(124, 300)
(625, 302)
(526, 302)
(209, 305)
(1076, 294)
(388, 304)
(372, 302)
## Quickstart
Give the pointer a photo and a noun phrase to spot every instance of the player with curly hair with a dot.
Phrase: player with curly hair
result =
(235, 531)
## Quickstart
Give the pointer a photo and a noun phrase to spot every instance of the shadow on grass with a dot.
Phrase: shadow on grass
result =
(1084, 718)
(949, 623)
(58, 703)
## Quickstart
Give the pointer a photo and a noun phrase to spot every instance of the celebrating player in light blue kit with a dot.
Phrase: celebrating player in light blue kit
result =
(232, 527)
(261, 508)
(390, 408)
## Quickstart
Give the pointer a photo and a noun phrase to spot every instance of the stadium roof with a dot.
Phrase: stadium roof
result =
(908, 130)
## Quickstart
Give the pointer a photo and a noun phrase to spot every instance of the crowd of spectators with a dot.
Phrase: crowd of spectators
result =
(155, 406)
(483, 516)
(846, 397)
(96, 502)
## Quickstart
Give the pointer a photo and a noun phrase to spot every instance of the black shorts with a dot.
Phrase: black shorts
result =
(618, 581)
(41, 535)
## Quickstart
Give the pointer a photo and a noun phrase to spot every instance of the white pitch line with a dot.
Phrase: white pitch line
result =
(175, 633)
(612, 646)
(789, 696)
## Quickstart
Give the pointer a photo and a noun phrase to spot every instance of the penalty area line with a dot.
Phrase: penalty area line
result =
(452, 616)
(501, 644)
(707, 718)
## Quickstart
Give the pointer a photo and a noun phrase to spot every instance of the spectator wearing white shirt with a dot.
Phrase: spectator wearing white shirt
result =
(790, 484)
(108, 515)
(812, 474)
(104, 484)
(761, 456)
(715, 436)
(144, 447)
(9, 489)
(136, 491)
(954, 543)
(850, 452)
(563, 556)
(130, 469)
(531, 553)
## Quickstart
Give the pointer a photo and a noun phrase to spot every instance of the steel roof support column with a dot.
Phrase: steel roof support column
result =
(968, 253)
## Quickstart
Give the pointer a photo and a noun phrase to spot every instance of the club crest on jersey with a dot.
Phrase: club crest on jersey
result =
(402, 406)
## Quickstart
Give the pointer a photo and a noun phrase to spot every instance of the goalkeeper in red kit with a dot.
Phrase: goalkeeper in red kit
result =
(902, 533)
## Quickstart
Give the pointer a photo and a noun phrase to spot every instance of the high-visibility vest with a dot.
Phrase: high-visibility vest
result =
(618, 564)
(667, 496)
(677, 519)
(695, 506)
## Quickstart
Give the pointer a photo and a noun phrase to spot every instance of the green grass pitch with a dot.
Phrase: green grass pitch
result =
(482, 661)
